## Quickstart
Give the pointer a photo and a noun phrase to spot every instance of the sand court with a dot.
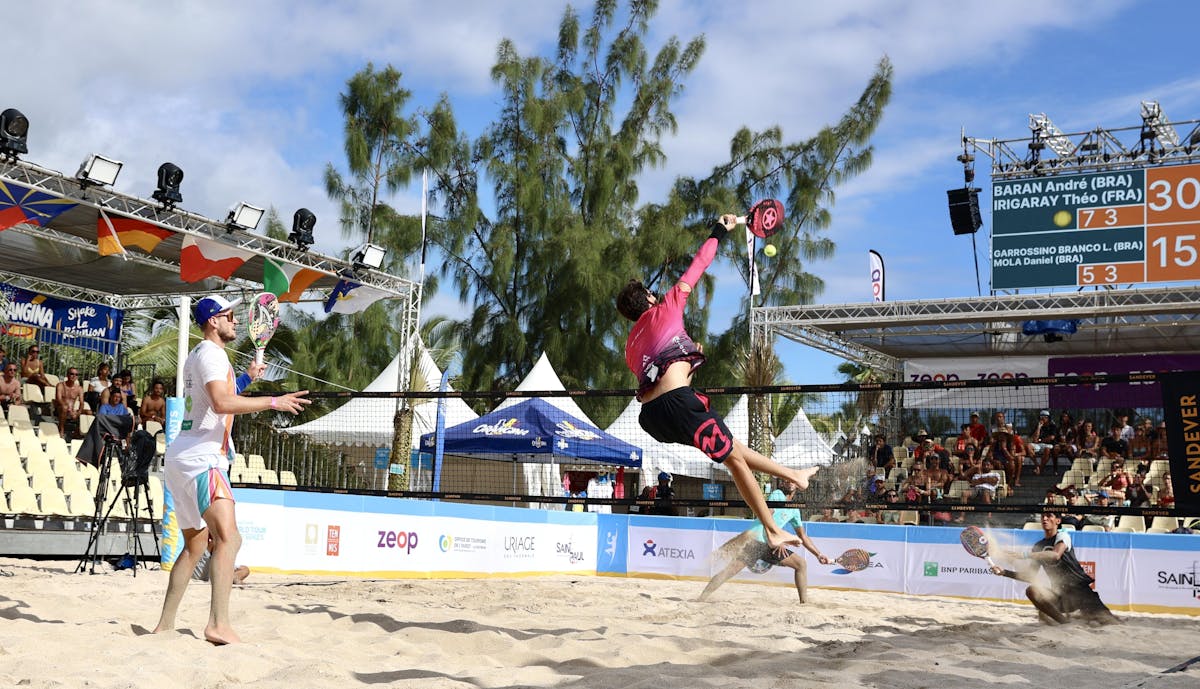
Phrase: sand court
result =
(61, 629)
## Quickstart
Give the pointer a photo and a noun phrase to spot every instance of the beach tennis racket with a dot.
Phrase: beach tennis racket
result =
(263, 320)
(764, 218)
(854, 560)
(975, 541)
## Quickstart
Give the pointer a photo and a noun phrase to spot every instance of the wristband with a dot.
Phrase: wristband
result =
(718, 231)
(273, 402)
(243, 381)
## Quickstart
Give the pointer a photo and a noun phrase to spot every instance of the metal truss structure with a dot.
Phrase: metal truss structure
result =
(883, 334)
(1157, 141)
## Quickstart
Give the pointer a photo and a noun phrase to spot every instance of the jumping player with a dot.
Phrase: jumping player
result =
(747, 549)
(197, 464)
(1070, 587)
(663, 356)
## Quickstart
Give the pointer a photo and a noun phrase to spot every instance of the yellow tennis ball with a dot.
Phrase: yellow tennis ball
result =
(770, 250)
(1062, 218)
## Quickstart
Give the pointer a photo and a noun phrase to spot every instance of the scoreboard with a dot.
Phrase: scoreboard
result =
(1104, 228)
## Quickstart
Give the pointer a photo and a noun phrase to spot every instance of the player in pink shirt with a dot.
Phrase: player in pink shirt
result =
(663, 356)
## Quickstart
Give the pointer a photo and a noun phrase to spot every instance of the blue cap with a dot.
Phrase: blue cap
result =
(210, 306)
(664, 476)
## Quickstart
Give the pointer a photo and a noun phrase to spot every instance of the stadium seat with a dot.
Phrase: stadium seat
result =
(22, 500)
(32, 394)
(17, 414)
(81, 503)
(42, 480)
(57, 449)
(287, 478)
(47, 429)
(957, 488)
(268, 477)
(4, 504)
(91, 475)
(53, 502)
(256, 462)
(910, 517)
(85, 422)
(52, 379)
(1133, 521)
(1032, 526)
(1166, 523)
(239, 462)
(1123, 529)
(153, 427)
(1092, 527)
(1155, 529)
(71, 478)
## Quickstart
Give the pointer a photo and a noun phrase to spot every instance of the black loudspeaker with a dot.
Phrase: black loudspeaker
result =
(964, 210)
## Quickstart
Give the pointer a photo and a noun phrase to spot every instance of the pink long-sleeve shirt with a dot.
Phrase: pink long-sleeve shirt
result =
(659, 339)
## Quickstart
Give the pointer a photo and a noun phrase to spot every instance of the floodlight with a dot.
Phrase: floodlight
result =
(98, 171)
(302, 226)
(368, 256)
(170, 176)
(14, 132)
(244, 217)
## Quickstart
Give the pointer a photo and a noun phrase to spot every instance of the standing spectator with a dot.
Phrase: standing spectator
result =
(68, 401)
(882, 455)
(154, 405)
(1042, 440)
(10, 386)
(1070, 587)
(32, 370)
(977, 430)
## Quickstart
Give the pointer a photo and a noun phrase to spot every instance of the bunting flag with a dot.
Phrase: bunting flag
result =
(114, 234)
(19, 204)
(287, 280)
(351, 297)
(204, 258)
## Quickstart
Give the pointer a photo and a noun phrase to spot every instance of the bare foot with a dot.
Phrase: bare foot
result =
(803, 475)
(240, 574)
(221, 636)
(160, 629)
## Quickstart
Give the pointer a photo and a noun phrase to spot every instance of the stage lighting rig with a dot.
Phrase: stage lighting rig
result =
(1045, 131)
(368, 256)
(302, 229)
(170, 176)
(243, 217)
(14, 134)
(98, 171)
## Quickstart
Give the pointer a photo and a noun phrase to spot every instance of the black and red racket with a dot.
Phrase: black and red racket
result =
(764, 218)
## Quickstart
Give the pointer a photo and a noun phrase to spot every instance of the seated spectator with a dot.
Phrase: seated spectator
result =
(932, 453)
(1107, 521)
(1158, 446)
(890, 516)
(32, 370)
(882, 456)
(999, 451)
(1089, 441)
(116, 405)
(127, 389)
(939, 481)
(154, 405)
(969, 466)
(68, 403)
(983, 484)
(1166, 496)
(1116, 481)
(10, 387)
(1139, 447)
(1114, 446)
(5, 361)
(98, 385)
(1068, 440)
(964, 440)
(1139, 494)
(999, 423)
(916, 486)
(1042, 440)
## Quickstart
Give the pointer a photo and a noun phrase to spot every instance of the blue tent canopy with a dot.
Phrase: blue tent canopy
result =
(535, 431)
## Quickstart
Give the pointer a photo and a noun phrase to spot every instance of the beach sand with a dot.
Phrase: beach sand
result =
(64, 630)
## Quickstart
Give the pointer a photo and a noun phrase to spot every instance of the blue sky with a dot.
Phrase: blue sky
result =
(243, 96)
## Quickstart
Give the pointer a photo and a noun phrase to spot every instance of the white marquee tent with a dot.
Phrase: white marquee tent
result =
(800, 445)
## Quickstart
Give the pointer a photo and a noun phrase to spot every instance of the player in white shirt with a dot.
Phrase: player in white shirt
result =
(197, 464)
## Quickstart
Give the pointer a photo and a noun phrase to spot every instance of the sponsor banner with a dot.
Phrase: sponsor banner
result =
(668, 547)
(1108, 558)
(865, 557)
(1168, 571)
(877, 276)
(1132, 394)
(64, 321)
(1181, 411)
(971, 369)
(612, 539)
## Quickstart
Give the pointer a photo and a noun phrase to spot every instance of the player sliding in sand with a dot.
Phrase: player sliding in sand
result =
(748, 549)
(1070, 587)
(663, 357)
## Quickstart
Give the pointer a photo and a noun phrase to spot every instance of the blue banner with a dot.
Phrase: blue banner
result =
(171, 543)
(66, 322)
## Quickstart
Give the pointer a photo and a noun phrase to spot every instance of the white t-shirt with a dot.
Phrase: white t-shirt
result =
(204, 439)
(988, 486)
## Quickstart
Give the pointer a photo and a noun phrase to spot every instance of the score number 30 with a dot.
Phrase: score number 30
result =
(1173, 196)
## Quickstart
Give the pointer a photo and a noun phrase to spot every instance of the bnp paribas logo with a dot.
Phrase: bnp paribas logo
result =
(931, 569)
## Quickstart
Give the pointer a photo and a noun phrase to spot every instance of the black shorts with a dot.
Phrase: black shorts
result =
(1080, 597)
(682, 416)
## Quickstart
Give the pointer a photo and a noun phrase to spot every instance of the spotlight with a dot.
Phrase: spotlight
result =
(170, 176)
(98, 171)
(243, 217)
(302, 227)
(368, 256)
(14, 132)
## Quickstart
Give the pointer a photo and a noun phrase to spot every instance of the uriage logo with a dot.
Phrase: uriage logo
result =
(401, 540)
(333, 540)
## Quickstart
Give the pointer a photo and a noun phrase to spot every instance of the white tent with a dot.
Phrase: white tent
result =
(369, 422)
(800, 445)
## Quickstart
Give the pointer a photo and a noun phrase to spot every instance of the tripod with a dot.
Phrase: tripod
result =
(134, 487)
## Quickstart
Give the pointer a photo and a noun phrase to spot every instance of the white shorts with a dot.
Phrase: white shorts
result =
(194, 495)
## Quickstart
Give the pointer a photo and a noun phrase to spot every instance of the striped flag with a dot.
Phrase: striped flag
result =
(287, 280)
(114, 234)
(204, 258)
(20, 204)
